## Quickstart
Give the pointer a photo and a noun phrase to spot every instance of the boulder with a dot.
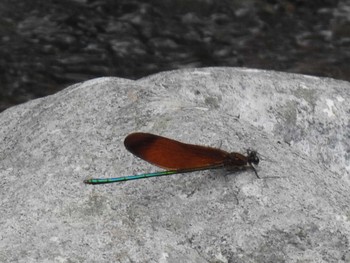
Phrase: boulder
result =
(299, 211)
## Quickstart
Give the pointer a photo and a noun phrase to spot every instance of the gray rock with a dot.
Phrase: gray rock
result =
(299, 124)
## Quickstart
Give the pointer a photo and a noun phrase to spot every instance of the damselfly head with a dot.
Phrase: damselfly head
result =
(252, 157)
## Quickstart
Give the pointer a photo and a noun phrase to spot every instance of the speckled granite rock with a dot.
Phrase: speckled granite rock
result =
(299, 124)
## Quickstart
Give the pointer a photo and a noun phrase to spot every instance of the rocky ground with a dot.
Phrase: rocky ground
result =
(47, 45)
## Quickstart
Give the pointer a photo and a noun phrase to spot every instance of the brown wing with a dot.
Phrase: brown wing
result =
(171, 154)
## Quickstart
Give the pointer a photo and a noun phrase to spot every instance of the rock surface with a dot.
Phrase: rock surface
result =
(299, 125)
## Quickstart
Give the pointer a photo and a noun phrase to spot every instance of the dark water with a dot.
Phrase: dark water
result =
(47, 45)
